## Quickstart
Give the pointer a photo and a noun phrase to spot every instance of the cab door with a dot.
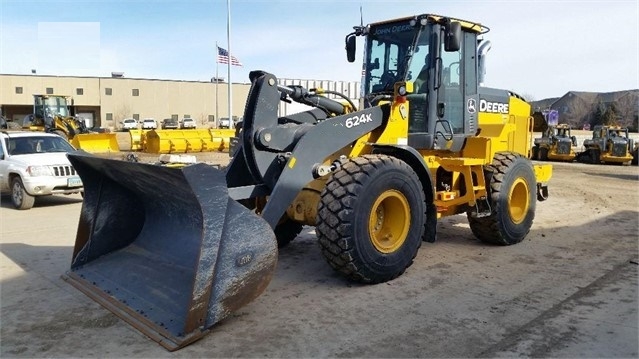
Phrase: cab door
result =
(457, 99)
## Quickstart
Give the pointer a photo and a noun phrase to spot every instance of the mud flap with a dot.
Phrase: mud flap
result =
(542, 192)
(166, 249)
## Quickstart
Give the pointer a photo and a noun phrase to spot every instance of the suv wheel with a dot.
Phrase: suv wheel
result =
(19, 196)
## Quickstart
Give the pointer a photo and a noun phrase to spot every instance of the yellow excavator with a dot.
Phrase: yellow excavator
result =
(173, 251)
(51, 114)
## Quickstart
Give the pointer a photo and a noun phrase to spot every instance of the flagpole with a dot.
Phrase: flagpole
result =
(228, 39)
(217, 81)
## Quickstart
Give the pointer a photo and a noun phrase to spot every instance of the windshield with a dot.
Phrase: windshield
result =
(39, 144)
(393, 54)
(54, 105)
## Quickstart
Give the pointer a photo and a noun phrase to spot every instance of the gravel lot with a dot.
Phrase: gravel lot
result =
(568, 290)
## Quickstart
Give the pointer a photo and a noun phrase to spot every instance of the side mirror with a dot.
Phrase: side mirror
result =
(350, 47)
(453, 37)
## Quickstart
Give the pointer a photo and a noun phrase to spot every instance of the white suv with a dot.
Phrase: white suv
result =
(129, 124)
(149, 124)
(188, 123)
(35, 164)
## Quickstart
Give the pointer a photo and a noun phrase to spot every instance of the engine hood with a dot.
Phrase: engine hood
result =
(42, 159)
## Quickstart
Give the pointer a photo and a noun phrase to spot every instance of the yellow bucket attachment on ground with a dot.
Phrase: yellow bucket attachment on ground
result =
(184, 141)
(96, 142)
(166, 249)
(138, 139)
(222, 138)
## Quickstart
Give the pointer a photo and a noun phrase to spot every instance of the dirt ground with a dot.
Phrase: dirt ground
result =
(568, 290)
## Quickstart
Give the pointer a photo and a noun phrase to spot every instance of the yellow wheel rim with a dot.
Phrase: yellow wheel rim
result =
(518, 200)
(389, 221)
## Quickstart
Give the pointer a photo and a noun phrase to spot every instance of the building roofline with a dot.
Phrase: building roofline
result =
(117, 78)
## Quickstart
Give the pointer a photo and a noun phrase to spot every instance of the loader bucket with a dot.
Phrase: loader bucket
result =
(166, 249)
(96, 142)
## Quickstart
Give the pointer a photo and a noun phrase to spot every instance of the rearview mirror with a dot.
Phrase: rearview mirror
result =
(350, 47)
(453, 37)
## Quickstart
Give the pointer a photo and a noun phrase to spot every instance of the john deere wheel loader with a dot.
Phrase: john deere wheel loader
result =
(173, 251)
(555, 144)
(51, 114)
(609, 144)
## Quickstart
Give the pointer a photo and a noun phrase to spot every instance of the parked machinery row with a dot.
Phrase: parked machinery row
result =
(181, 140)
(609, 144)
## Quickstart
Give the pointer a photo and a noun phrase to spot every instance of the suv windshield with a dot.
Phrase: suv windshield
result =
(37, 144)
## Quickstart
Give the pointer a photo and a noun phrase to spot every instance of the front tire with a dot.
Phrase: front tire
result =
(512, 198)
(543, 154)
(371, 218)
(535, 153)
(595, 156)
(19, 196)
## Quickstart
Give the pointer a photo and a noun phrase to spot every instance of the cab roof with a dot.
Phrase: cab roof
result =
(465, 24)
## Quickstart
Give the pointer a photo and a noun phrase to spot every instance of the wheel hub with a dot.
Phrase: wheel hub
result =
(389, 221)
(17, 193)
(518, 200)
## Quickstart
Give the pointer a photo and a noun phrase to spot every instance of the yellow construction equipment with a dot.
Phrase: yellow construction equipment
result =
(138, 139)
(51, 114)
(175, 250)
(609, 144)
(183, 141)
(555, 144)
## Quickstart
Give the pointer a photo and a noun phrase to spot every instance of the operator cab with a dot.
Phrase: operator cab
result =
(46, 108)
(439, 56)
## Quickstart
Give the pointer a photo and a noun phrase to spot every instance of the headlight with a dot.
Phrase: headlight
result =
(36, 171)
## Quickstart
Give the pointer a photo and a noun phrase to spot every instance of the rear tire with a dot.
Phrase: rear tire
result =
(535, 153)
(19, 196)
(371, 218)
(512, 198)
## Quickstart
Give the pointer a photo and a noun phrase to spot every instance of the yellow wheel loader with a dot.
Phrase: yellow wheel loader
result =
(51, 114)
(555, 144)
(175, 250)
(609, 144)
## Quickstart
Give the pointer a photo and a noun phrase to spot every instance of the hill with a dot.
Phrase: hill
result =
(580, 108)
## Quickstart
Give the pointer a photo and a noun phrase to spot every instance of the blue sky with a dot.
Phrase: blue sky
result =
(539, 48)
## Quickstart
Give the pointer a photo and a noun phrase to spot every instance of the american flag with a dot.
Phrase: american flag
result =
(223, 57)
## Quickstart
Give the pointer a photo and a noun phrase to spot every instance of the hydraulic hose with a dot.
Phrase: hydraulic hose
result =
(301, 95)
